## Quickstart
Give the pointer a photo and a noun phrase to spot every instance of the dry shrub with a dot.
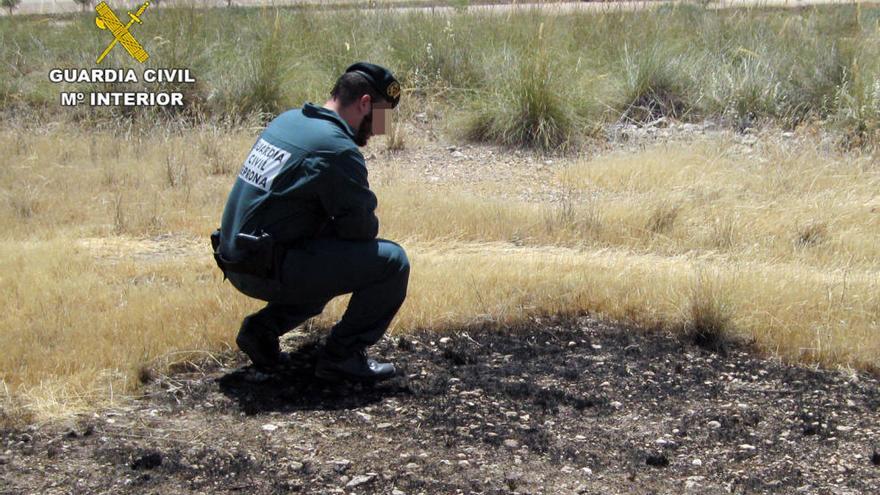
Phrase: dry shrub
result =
(662, 218)
(811, 234)
(709, 322)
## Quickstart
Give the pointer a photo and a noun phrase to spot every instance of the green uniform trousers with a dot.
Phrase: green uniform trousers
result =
(375, 272)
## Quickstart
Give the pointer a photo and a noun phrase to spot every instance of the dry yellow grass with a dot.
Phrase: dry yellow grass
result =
(106, 268)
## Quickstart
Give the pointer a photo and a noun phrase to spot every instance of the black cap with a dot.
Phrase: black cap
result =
(380, 78)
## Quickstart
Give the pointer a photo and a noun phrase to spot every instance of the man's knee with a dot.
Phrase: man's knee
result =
(397, 259)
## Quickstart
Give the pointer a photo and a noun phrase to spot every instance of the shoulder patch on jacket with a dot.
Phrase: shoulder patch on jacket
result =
(263, 164)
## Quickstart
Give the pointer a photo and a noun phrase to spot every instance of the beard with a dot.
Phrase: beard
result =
(364, 130)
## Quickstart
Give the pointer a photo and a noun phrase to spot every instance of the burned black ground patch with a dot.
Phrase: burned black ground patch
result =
(575, 406)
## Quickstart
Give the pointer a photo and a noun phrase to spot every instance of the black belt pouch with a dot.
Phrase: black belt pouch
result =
(262, 256)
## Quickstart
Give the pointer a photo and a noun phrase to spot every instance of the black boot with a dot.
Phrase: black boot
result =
(352, 366)
(260, 345)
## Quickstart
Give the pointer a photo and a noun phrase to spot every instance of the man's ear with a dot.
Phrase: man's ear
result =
(364, 103)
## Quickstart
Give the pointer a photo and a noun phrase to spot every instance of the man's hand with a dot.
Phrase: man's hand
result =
(347, 198)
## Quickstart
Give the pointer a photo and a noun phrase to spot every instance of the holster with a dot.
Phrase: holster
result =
(262, 256)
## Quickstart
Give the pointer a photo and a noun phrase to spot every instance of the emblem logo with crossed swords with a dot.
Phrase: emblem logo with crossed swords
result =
(107, 20)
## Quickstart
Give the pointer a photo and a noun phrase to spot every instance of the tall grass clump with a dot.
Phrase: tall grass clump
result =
(182, 45)
(262, 90)
(856, 100)
(708, 323)
(857, 110)
(530, 105)
(780, 68)
(440, 55)
(281, 64)
(10, 71)
(655, 83)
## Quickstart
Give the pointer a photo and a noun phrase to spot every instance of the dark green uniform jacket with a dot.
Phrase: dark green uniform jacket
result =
(303, 178)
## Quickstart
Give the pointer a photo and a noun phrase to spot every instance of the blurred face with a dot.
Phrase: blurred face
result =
(381, 118)
(377, 121)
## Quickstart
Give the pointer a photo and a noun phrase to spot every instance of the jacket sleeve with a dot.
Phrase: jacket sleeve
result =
(347, 198)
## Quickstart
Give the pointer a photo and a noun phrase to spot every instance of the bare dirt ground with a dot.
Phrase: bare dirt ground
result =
(560, 406)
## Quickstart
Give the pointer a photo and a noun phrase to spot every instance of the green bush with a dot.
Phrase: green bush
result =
(655, 84)
(532, 101)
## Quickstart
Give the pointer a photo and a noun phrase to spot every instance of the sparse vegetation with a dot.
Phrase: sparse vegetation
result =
(527, 79)
(657, 243)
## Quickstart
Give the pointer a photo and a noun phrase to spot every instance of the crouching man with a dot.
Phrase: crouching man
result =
(299, 229)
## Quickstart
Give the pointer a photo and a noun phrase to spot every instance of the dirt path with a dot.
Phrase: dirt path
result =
(572, 406)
